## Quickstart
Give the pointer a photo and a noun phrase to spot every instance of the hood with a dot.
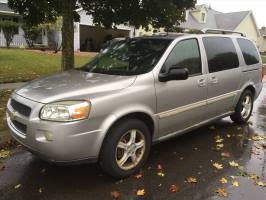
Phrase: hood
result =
(71, 85)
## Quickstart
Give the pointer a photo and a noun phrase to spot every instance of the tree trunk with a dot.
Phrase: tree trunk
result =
(68, 35)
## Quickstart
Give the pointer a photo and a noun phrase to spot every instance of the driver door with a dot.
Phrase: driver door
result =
(182, 103)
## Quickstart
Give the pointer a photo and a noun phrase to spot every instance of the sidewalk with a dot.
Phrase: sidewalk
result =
(11, 85)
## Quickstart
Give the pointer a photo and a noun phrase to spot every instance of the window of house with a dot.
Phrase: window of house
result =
(249, 51)
(203, 15)
(221, 53)
(185, 54)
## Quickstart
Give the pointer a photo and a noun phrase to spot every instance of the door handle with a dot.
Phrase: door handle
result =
(202, 83)
(214, 79)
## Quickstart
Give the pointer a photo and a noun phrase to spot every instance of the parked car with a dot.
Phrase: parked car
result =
(135, 93)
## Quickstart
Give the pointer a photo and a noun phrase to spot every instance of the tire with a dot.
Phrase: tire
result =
(112, 154)
(238, 117)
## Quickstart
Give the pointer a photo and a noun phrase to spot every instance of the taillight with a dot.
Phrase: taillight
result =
(262, 71)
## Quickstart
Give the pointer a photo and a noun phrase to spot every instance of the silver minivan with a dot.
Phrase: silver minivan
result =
(134, 93)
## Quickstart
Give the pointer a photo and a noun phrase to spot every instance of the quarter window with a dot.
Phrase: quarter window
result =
(185, 54)
(249, 51)
(221, 53)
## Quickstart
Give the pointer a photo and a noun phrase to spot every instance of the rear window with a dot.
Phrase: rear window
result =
(249, 51)
(221, 53)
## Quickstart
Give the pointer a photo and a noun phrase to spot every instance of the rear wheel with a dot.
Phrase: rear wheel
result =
(244, 108)
(126, 148)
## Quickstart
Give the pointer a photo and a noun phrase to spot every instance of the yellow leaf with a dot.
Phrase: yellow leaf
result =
(235, 184)
(221, 192)
(141, 192)
(220, 145)
(219, 140)
(191, 179)
(233, 164)
(223, 180)
(260, 183)
(17, 186)
(258, 138)
(161, 174)
(253, 177)
(218, 166)
(4, 154)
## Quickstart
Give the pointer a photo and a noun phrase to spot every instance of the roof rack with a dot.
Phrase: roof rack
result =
(221, 31)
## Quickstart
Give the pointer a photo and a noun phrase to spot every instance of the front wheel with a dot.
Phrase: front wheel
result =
(126, 148)
(244, 108)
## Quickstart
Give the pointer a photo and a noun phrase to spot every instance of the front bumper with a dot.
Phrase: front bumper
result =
(55, 141)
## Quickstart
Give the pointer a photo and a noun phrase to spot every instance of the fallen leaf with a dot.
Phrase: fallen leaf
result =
(233, 164)
(115, 195)
(17, 186)
(138, 176)
(141, 192)
(220, 145)
(4, 153)
(254, 177)
(223, 180)
(225, 154)
(258, 138)
(228, 136)
(174, 188)
(40, 190)
(161, 174)
(219, 140)
(261, 184)
(218, 166)
(235, 184)
(191, 179)
(221, 192)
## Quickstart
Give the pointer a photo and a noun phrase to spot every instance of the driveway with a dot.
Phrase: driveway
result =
(168, 174)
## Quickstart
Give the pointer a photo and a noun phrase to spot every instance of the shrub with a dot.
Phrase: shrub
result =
(9, 29)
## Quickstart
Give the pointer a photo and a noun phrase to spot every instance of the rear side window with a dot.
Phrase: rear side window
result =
(185, 54)
(249, 51)
(221, 53)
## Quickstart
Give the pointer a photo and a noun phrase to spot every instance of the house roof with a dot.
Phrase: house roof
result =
(192, 23)
(4, 8)
(230, 21)
(216, 20)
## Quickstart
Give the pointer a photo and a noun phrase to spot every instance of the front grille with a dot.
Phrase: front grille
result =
(19, 126)
(20, 108)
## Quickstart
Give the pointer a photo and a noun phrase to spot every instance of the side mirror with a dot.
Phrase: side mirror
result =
(174, 74)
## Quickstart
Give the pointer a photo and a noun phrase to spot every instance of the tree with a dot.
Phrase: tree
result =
(31, 33)
(105, 13)
(9, 29)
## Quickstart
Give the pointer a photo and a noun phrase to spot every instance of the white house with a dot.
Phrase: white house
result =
(203, 16)
(262, 40)
(87, 37)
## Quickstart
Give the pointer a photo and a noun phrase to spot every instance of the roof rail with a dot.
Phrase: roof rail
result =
(221, 31)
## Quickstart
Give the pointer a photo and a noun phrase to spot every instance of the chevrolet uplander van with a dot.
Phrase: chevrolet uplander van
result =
(136, 92)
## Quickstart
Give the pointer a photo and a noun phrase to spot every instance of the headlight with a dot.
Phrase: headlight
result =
(66, 111)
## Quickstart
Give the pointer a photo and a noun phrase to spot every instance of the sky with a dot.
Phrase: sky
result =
(257, 6)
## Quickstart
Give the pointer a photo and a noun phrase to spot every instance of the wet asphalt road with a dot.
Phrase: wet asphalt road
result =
(192, 154)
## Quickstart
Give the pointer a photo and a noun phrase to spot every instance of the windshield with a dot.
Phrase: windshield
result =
(128, 57)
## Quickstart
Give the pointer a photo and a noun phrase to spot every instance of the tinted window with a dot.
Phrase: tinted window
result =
(128, 57)
(249, 51)
(185, 54)
(221, 53)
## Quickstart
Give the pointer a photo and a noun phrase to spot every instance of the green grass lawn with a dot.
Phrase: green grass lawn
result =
(18, 65)
(263, 59)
